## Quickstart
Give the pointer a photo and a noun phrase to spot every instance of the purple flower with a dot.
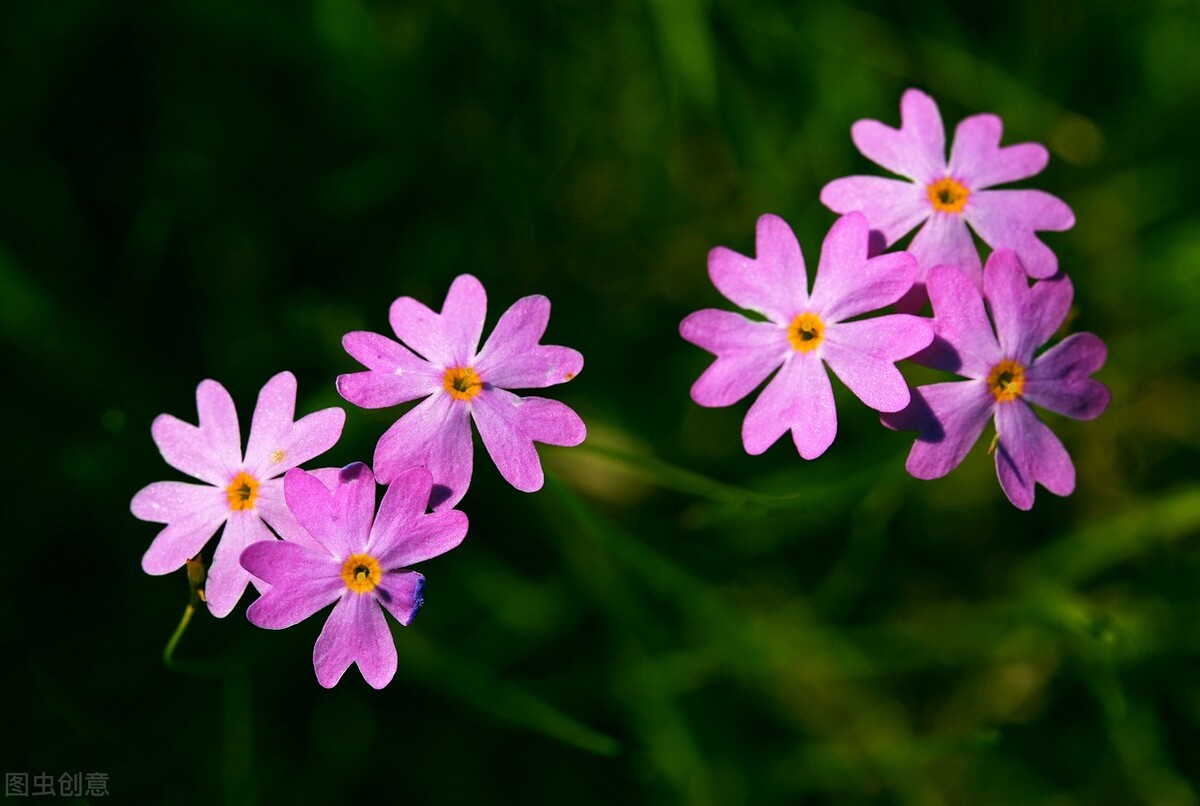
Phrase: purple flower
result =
(802, 331)
(1004, 378)
(354, 559)
(440, 361)
(244, 494)
(945, 197)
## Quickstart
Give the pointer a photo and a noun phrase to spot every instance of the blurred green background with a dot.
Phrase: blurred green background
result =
(197, 189)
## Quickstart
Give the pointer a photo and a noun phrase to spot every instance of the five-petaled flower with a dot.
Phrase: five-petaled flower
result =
(804, 332)
(1005, 377)
(355, 559)
(440, 361)
(946, 196)
(244, 494)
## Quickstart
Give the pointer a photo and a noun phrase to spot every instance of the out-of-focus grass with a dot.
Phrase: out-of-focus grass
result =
(214, 189)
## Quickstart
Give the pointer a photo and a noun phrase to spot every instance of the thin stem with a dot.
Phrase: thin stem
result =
(169, 649)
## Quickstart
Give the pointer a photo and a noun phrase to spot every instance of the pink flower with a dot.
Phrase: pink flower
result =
(945, 197)
(1004, 378)
(243, 494)
(440, 361)
(803, 333)
(355, 559)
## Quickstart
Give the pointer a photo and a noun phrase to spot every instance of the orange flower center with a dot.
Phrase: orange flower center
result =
(463, 383)
(242, 491)
(805, 332)
(361, 573)
(948, 195)
(1006, 381)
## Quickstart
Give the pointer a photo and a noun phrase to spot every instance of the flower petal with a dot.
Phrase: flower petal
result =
(182, 539)
(512, 358)
(271, 506)
(189, 449)
(448, 339)
(339, 520)
(773, 283)
(379, 353)
(882, 281)
(520, 327)
(1006, 290)
(356, 632)
(949, 418)
(747, 352)
(354, 505)
(434, 434)
(311, 503)
(977, 159)
(863, 354)
(302, 582)
(423, 538)
(847, 283)
(1049, 302)
(167, 501)
(917, 149)
(963, 338)
(1025, 317)
(944, 240)
(1029, 452)
(381, 390)
(394, 376)
(540, 366)
(462, 316)
(405, 500)
(218, 419)
(273, 416)
(509, 425)
(278, 444)
(721, 332)
(815, 428)
(403, 533)
(1007, 219)
(774, 410)
(799, 398)
(226, 578)
(1058, 379)
(400, 592)
(892, 206)
(309, 437)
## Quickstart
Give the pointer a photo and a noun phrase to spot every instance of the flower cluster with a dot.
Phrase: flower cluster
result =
(803, 331)
(309, 539)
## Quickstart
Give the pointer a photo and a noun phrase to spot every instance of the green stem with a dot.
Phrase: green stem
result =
(169, 649)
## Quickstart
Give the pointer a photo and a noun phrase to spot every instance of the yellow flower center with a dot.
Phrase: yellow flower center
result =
(1006, 381)
(463, 383)
(948, 195)
(361, 573)
(242, 491)
(805, 332)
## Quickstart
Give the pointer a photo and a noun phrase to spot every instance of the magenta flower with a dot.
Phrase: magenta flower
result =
(1004, 378)
(354, 559)
(439, 360)
(945, 197)
(243, 494)
(803, 333)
